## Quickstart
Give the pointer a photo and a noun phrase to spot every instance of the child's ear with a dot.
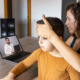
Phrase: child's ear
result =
(60, 37)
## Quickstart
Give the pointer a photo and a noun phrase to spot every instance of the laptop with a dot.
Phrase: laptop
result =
(11, 49)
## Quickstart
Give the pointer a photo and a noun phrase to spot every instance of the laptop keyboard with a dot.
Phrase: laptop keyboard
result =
(19, 56)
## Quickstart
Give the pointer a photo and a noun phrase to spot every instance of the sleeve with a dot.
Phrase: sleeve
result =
(26, 63)
(74, 75)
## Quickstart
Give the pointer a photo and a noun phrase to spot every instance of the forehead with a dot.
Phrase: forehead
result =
(7, 39)
(69, 14)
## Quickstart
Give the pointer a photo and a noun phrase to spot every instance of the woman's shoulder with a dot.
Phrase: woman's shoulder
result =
(69, 40)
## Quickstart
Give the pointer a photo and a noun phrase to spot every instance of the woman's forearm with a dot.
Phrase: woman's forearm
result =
(71, 56)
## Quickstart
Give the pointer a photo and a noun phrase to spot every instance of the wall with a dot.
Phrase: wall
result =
(47, 7)
(20, 14)
(1, 11)
(1, 8)
(19, 9)
(78, 0)
(39, 7)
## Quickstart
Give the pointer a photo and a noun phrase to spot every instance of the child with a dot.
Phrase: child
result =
(51, 65)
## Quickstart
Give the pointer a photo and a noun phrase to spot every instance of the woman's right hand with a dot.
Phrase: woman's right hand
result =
(10, 76)
(44, 30)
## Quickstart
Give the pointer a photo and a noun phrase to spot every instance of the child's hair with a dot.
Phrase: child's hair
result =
(56, 23)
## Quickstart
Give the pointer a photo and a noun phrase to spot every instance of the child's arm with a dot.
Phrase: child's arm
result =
(71, 56)
(23, 65)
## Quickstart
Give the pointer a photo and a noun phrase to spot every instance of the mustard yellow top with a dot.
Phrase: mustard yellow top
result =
(49, 67)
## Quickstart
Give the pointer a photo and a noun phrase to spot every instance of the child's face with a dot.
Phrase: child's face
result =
(45, 44)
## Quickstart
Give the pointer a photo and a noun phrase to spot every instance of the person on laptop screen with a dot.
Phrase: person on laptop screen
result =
(8, 47)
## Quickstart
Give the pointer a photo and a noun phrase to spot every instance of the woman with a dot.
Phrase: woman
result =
(73, 24)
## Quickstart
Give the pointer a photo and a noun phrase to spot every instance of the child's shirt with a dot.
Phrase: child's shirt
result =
(49, 67)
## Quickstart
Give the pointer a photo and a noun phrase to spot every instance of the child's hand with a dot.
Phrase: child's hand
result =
(12, 52)
(7, 78)
(10, 76)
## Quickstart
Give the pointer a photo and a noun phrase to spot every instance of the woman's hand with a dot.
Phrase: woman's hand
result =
(44, 30)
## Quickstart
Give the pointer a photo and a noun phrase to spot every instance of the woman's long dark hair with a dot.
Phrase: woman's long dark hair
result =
(75, 10)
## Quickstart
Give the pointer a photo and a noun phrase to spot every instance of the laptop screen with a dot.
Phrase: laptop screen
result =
(9, 46)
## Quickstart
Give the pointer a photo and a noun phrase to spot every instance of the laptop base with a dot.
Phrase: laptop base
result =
(18, 56)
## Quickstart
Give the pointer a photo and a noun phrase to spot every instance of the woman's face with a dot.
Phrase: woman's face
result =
(71, 22)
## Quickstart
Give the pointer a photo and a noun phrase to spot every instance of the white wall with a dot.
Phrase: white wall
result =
(39, 7)
(1, 11)
(47, 7)
(20, 14)
(1, 8)
(78, 0)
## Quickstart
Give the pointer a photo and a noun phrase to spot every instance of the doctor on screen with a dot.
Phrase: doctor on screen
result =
(8, 47)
